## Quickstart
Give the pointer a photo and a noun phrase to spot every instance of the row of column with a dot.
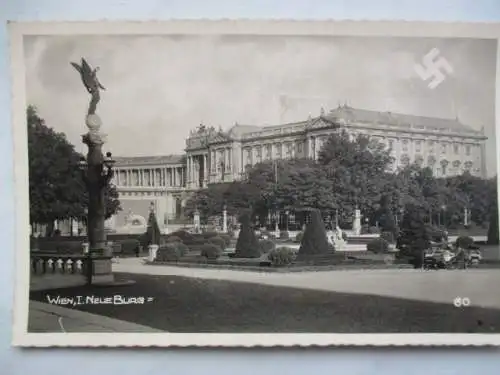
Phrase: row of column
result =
(262, 152)
(221, 156)
(193, 169)
(169, 176)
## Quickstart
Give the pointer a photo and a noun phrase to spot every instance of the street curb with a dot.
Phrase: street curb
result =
(91, 319)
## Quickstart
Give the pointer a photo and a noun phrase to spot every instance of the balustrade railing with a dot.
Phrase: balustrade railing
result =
(44, 264)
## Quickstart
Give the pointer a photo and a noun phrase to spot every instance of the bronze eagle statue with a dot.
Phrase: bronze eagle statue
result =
(91, 83)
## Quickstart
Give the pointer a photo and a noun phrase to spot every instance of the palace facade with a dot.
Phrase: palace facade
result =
(447, 146)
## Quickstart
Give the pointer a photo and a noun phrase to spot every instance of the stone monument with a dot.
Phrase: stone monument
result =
(224, 220)
(356, 225)
(196, 221)
(99, 262)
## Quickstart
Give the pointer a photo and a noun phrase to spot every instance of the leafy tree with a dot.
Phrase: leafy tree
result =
(387, 221)
(56, 186)
(208, 202)
(247, 245)
(357, 168)
(493, 227)
(314, 241)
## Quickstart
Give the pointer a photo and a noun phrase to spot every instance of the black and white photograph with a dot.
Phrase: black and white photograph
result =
(234, 178)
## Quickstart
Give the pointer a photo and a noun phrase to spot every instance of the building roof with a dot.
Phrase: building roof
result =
(149, 160)
(238, 130)
(350, 114)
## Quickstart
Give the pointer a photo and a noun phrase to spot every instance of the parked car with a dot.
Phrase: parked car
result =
(436, 258)
(475, 256)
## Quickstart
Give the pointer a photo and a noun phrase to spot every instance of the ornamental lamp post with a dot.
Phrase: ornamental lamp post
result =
(97, 172)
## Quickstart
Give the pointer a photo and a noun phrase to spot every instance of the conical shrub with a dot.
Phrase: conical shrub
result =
(247, 245)
(314, 241)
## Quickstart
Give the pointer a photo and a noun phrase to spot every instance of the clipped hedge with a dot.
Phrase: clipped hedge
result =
(266, 246)
(226, 238)
(378, 245)
(209, 234)
(281, 256)
(183, 235)
(130, 246)
(220, 242)
(211, 251)
(172, 238)
(171, 252)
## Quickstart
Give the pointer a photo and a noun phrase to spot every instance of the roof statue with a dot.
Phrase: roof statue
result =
(201, 129)
(91, 83)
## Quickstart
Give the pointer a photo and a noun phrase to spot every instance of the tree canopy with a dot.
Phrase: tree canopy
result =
(56, 187)
(351, 172)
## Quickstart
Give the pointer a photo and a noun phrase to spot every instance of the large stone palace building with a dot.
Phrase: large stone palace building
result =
(211, 156)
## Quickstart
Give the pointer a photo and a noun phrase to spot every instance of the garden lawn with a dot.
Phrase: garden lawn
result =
(198, 305)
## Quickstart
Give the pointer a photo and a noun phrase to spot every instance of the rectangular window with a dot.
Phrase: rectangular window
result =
(289, 150)
(391, 144)
(299, 147)
(455, 149)
(249, 156)
(467, 150)
(278, 151)
(259, 154)
(418, 146)
(443, 148)
(431, 147)
(405, 145)
(269, 151)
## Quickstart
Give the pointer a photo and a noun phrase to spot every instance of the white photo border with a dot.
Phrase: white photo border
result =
(17, 31)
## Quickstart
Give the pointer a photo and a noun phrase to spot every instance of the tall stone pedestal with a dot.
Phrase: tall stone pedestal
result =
(224, 221)
(102, 272)
(196, 222)
(152, 251)
(356, 225)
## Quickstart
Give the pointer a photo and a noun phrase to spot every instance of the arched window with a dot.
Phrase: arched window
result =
(405, 160)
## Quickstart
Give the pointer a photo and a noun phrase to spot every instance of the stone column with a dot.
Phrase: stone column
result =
(188, 171)
(205, 170)
(224, 220)
(196, 221)
(356, 225)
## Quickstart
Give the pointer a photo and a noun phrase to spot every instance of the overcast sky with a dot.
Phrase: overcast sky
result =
(158, 88)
